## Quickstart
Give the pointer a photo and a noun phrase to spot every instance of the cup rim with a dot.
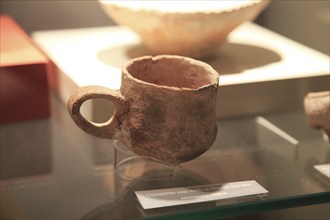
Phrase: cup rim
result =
(207, 67)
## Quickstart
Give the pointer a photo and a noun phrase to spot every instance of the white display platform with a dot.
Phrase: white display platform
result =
(253, 66)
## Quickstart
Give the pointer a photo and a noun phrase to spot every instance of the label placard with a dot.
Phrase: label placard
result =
(158, 198)
(324, 169)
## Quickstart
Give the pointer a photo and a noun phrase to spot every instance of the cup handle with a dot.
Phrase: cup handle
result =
(108, 129)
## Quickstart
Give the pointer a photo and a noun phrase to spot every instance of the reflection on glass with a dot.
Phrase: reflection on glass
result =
(25, 150)
(275, 139)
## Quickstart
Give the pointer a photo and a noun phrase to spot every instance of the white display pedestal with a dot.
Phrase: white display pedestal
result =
(259, 69)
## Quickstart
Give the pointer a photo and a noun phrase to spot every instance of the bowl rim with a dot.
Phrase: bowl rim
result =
(159, 11)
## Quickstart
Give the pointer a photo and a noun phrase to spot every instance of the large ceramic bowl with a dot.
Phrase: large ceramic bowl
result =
(188, 28)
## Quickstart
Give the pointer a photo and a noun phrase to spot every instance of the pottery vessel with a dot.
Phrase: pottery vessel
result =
(165, 108)
(188, 28)
(317, 110)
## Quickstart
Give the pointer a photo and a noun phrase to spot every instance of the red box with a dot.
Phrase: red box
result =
(24, 90)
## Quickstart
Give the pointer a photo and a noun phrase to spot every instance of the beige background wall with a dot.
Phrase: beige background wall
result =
(35, 15)
(306, 21)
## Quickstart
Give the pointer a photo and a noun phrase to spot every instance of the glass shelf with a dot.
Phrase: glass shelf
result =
(50, 169)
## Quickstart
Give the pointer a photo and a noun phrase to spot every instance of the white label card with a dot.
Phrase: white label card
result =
(324, 169)
(158, 198)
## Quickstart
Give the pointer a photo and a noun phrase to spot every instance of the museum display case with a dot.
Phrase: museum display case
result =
(52, 169)
(265, 156)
